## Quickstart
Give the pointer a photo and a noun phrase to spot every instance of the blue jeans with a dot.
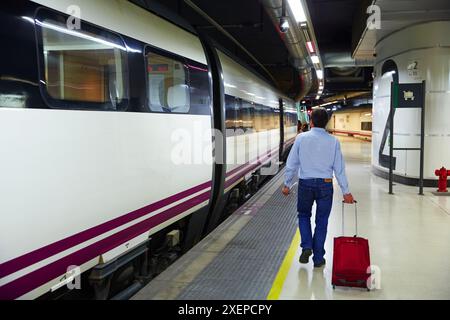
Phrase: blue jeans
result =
(310, 190)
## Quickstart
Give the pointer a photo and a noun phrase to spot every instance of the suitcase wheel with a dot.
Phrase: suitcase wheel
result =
(334, 287)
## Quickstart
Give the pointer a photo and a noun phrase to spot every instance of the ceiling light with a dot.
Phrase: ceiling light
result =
(319, 74)
(310, 46)
(284, 24)
(315, 59)
(297, 10)
(317, 97)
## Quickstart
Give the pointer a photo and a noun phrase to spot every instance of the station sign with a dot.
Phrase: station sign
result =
(409, 95)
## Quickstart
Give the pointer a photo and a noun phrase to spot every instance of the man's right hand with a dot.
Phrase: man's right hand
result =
(286, 191)
(348, 198)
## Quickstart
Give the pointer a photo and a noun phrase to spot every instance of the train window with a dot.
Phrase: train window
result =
(247, 116)
(276, 118)
(199, 89)
(366, 126)
(84, 68)
(168, 89)
(231, 114)
(259, 125)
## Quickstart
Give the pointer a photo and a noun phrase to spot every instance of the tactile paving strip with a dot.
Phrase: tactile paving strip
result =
(248, 265)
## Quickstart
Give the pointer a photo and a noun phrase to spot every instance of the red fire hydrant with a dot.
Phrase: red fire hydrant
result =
(442, 173)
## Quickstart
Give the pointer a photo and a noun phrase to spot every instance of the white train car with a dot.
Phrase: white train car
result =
(107, 165)
(352, 122)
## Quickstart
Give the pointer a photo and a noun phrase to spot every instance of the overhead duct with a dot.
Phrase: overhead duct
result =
(336, 59)
(295, 43)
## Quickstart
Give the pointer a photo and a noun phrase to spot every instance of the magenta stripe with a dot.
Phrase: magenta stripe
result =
(353, 132)
(247, 170)
(239, 176)
(30, 258)
(47, 251)
(248, 165)
(255, 159)
(43, 275)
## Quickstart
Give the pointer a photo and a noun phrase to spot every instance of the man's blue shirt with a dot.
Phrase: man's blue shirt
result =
(316, 154)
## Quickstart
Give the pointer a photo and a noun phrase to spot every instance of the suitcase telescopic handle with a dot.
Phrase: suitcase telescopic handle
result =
(356, 217)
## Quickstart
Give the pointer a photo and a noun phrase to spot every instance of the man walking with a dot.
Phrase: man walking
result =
(314, 157)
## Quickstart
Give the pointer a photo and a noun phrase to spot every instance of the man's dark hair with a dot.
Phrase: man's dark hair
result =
(319, 117)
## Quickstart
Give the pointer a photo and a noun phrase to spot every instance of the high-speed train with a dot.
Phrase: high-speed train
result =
(124, 140)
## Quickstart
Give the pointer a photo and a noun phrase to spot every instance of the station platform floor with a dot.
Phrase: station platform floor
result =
(254, 253)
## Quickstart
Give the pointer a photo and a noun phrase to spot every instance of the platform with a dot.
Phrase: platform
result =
(254, 253)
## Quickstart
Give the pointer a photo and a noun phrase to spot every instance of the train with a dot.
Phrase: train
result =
(355, 123)
(125, 139)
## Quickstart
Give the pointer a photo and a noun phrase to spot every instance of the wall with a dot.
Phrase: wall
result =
(348, 122)
(426, 46)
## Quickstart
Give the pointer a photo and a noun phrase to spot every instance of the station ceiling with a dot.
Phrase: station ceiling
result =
(248, 22)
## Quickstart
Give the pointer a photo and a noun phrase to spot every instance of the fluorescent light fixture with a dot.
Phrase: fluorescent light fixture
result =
(28, 19)
(79, 35)
(284, 25)
(297, 10)
(129, 49)
(319, 74)
(250, 94)
(310, 46)
(328, 103)
(317, 97)
(315, 59)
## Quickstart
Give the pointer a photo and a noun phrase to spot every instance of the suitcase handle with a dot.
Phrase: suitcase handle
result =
(356, 217)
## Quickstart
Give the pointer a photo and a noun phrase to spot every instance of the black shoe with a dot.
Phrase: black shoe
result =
(304, 258)
(320, 264)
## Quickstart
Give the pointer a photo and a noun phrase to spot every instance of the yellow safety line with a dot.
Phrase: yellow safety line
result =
(277, 286)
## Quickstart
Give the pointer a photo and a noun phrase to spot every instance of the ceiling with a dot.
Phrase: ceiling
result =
(345, 44)
(248, 22)
(334, 25)
(396, 15)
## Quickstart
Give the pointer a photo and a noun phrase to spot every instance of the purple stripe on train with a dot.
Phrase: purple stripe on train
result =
(37, 278)
(42, 253)
(30, 258)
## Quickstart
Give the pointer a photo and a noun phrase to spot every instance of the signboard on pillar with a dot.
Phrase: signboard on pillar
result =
(410, 95)
(414, 71)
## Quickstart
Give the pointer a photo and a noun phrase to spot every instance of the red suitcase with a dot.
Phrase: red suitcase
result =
(351, 259)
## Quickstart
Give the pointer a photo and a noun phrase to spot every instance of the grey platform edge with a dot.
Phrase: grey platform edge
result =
(240, 259)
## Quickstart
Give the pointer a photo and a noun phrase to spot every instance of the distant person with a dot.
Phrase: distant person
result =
(305, 127)
(314, 157)
(302, 127)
